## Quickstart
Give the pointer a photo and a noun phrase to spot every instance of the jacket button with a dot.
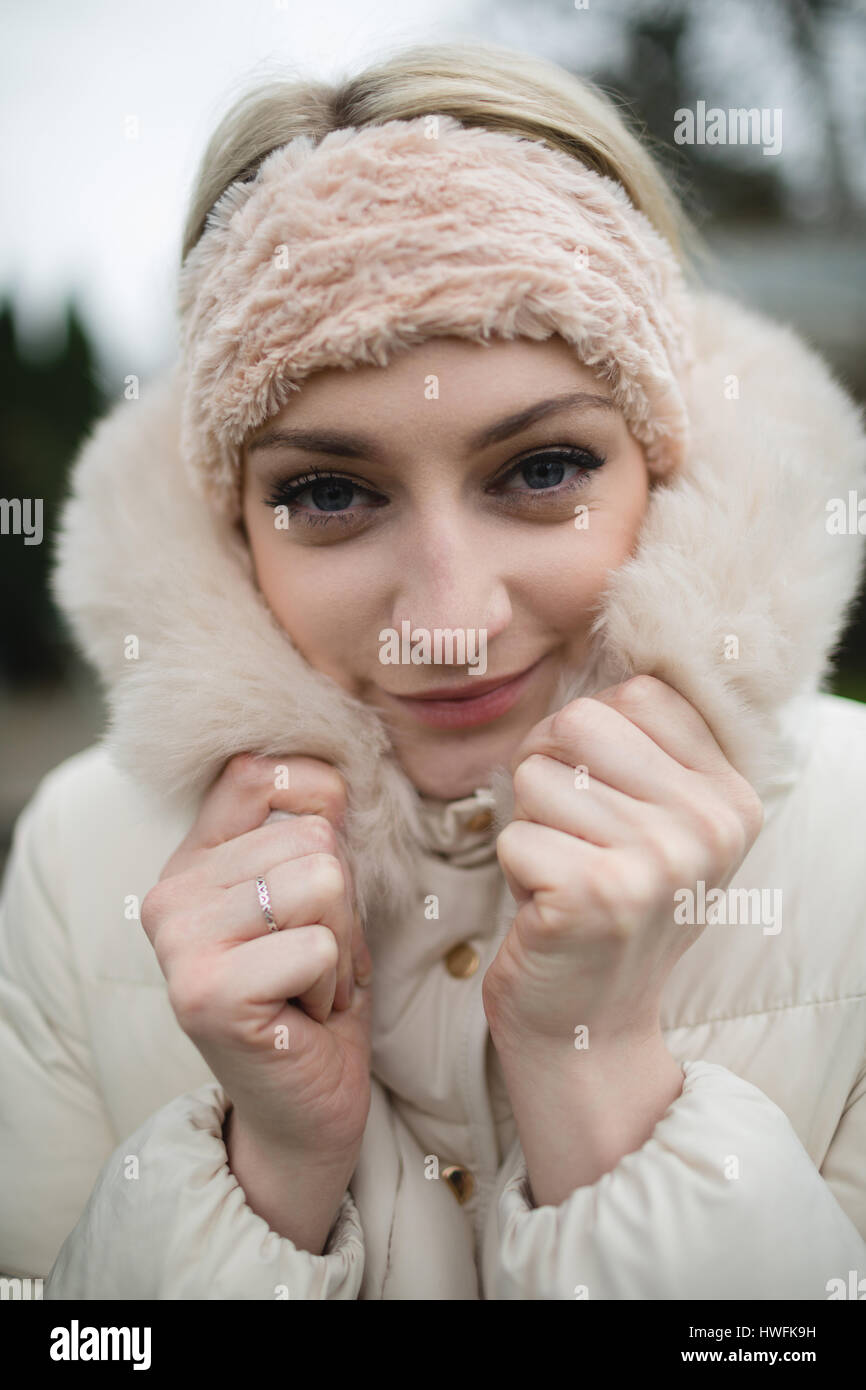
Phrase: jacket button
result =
(462, 960)
(482, 820)
(460, 1180)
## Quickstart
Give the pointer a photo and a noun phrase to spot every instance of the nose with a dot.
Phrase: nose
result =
(447, 577)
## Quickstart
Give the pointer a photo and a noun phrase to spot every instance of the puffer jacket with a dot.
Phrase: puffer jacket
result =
(114, 1179)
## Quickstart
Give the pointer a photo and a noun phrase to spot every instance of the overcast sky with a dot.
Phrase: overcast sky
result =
(88, 211)
(85, 209)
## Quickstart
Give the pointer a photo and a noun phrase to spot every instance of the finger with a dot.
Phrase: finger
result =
(302, 892)
(279, 850)
(258, 851)
(299, 965)
(666, 836)
(286, 849)
(549, 793)
(669, 719)
(251, 786)
(592, 734)
(532, 855)
(271, 848)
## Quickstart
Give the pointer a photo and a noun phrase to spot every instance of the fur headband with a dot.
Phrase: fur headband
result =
(342, 253)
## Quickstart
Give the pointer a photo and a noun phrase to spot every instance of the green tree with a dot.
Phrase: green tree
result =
(48, 404)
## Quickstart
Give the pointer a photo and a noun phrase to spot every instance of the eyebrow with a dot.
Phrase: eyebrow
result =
(357, 446)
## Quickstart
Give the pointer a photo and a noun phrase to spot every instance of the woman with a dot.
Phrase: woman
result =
(537, 976)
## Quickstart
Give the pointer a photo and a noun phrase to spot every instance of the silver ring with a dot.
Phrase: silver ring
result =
(265, 901)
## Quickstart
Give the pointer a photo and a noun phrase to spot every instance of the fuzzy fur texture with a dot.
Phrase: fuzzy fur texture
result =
(736, 544)
(378, 238)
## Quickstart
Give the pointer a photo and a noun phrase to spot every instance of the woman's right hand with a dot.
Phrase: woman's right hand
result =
(297, 1073)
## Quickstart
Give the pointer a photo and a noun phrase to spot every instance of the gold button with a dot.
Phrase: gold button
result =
(462, 960)
(460, 1180)
(482, 820)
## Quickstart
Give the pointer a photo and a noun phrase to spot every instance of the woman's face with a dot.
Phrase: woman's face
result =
(481, 493)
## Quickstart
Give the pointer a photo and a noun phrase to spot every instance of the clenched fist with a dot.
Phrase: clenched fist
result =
(593, 863)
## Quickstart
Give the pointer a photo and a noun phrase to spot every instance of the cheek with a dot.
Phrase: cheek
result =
(568, 574)
(316, 595)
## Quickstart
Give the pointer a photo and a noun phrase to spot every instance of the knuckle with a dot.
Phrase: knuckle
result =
(319, 835)
(550, 917)
(621, 901)
(332, 789)
(326, 948)
(722, 831)
(605, 896)
(526, 774)
(640, 690)
(730, 837)
(668, 855)
(327, 872)
(191, 993)
(244, 770)
(575, 717)
(752, 810)
(648, 885)
(508, 839)
(155, 905)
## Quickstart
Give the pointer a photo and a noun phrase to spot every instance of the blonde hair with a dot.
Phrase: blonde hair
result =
(478, 83)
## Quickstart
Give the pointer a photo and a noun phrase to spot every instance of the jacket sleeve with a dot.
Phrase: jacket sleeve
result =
(158, 1215)
(168, 1220)
(721, 1202)
(844, 1167)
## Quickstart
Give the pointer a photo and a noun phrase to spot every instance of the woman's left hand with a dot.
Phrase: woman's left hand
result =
(620, 799)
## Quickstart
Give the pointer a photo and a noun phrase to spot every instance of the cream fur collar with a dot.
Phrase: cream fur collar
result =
(736, 547)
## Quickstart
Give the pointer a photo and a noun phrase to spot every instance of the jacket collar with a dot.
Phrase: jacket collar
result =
(735, 596)
(462, 831)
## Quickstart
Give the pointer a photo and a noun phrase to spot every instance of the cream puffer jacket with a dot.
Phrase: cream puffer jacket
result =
(115, 1182)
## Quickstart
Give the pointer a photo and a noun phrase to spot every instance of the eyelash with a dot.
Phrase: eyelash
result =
(286, 491)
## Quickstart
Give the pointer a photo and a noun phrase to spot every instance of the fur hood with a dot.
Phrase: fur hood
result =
(737, 547)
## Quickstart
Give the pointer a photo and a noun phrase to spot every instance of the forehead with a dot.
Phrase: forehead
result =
(475, 380)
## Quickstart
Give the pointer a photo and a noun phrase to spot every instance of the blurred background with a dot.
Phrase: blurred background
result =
(105, 110)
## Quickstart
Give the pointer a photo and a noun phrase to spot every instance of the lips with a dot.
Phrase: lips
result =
(470, 691)
(463, 706)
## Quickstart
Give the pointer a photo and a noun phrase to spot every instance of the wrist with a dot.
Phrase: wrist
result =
(578, 1112)
(624, 1066)
(296, 1192)
(282, 1150)
(598, 1044)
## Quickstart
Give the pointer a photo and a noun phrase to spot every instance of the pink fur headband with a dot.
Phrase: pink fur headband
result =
(341, 253)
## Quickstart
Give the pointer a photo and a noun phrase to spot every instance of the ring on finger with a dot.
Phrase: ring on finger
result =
(265, 903)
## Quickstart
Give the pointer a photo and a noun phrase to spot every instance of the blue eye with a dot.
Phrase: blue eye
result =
(330, 493)
(322, 499)
(543, 472)
(546, 470)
